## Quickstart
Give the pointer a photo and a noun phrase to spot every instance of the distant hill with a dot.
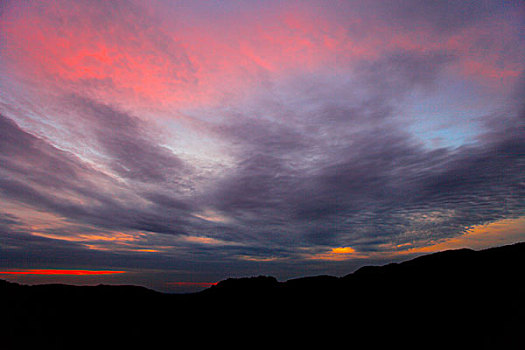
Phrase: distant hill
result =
(458, 297)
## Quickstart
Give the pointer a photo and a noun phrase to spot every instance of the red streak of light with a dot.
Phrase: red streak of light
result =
(59, 272)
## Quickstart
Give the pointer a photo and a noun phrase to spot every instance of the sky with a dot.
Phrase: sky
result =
(173, 144)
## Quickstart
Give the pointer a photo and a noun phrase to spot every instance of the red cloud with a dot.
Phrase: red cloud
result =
(60, 272)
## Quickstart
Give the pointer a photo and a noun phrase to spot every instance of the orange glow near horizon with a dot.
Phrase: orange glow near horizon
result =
(60, 272)
(501, 232)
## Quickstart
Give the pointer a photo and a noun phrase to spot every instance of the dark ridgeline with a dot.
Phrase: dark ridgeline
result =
(449, 299)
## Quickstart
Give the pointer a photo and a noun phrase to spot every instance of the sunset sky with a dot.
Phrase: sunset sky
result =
(173, 144)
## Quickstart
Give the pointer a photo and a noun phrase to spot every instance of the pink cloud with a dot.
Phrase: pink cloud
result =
(133, 56)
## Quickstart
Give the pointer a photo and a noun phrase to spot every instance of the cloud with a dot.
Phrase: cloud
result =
(172, 135)
(361, 180)
(368, 182)
(132, 154)
(36, 173)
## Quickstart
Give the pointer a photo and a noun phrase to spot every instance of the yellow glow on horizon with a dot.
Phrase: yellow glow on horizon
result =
(337, 254)
(343, 250)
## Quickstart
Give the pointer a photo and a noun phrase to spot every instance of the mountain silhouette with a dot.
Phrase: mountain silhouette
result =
(452, 298)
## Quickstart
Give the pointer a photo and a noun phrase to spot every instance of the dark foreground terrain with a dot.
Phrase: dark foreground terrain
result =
(472, 299)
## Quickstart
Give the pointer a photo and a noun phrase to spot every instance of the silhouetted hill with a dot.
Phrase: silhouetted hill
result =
(250, 284)
(453, 298)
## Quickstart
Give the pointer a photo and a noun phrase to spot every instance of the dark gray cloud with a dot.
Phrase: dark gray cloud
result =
(363, 180)
(124, 138)
(36, 173)
(382, 185)
(445, 17)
